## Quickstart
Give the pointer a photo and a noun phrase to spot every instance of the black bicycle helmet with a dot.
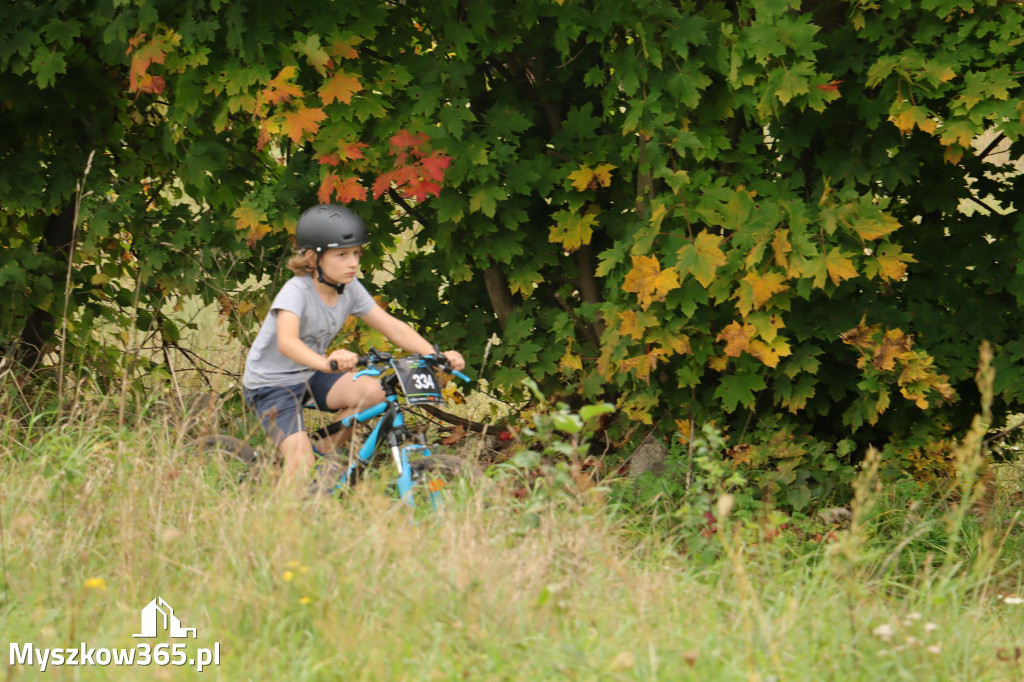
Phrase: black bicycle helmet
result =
(328, 226)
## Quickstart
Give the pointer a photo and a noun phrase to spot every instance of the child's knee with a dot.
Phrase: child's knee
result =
(371, 394)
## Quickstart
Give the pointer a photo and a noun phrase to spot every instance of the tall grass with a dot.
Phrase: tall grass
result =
(96, 521)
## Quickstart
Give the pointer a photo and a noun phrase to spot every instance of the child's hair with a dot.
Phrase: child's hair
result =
(300, 265)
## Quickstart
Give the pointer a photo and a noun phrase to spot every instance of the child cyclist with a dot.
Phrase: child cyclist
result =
(288, 363)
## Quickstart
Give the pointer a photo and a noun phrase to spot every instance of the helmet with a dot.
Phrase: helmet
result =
(329, 227)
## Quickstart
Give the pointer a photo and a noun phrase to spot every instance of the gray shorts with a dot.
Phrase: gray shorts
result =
(280, 407)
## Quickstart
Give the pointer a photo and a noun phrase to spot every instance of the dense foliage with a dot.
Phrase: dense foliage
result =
(751, 212)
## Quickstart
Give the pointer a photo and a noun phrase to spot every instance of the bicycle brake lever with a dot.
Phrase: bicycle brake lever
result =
(370, 372)
(460, 375)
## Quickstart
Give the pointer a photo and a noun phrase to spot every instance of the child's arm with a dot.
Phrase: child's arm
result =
(405, 337)
(292, 347)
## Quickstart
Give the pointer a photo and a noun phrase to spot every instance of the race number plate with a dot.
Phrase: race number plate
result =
(419, 383)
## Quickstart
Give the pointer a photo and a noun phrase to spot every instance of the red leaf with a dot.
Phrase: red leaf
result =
(330, 160)
(150, 83)
(830, 86)
(421, 189)
(435, 165)
(404, 140)
(382, 183)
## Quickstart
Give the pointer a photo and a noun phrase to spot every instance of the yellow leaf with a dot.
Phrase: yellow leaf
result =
(875, 228)
(633, 324)
(781, 248)
(581, 178)
(573, 231)
(718, 363)
(641, 365)
(755, 290)
(648, 281)
(890, 264)
(603, 174)
(839, 267)
(737, 338)
(569, 361)
(769, 354)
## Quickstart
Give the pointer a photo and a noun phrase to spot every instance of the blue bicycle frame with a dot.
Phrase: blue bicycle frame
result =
(390, 426)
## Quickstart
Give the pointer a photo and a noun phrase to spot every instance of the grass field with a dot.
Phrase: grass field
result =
(95, 522)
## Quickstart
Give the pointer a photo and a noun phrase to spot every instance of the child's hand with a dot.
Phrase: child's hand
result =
(455, 360)
(346, 360)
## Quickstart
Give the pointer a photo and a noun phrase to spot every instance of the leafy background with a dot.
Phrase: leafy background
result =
(794, 220)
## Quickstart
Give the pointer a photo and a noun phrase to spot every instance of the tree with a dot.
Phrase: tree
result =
(744, 211)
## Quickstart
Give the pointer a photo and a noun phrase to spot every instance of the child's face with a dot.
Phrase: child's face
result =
(340, 265)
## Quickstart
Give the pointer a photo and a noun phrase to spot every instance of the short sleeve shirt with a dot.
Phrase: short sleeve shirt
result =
(319, 323)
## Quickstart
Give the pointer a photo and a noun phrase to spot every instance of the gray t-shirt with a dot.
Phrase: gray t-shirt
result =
(318, 325)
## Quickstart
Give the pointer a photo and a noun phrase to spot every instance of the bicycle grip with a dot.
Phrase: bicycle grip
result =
(334, 365)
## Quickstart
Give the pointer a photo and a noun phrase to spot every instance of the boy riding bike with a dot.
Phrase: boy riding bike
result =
(288, 365)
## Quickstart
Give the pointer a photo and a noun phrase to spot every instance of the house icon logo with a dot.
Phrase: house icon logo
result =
(151, 622)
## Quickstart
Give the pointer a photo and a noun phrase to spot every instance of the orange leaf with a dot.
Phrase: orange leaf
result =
(345, 190)
(340, 88)
(344, 49)
(649, 281)
(302, 121)
(737, 338)
(353, 151)
(281, 89)
(457, 434)
(142, 58)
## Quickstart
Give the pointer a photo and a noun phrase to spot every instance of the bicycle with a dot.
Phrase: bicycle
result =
(407, 381)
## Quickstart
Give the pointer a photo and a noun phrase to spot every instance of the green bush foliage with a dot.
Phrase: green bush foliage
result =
(758, 212)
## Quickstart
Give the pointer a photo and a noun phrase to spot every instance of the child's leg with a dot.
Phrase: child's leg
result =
(280, 411)
(297, 451)
(339, 393)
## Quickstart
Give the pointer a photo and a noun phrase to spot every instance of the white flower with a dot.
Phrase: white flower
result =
(884, 631)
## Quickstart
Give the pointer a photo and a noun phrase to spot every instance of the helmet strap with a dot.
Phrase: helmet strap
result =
(340, 288)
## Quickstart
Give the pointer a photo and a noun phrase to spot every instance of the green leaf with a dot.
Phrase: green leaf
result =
(47, 65)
